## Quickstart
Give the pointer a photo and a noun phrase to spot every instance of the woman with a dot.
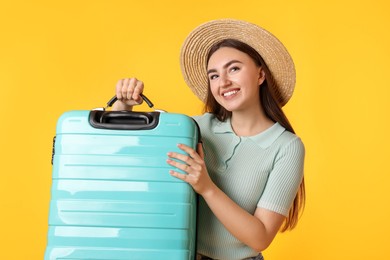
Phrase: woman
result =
(249, 170)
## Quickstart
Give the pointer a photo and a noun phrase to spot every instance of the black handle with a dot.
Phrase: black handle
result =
(123, 120)
(114, 99)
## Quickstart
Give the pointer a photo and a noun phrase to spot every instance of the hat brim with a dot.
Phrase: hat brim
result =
(198, 43)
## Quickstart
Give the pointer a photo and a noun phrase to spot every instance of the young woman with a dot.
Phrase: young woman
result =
(249, 169)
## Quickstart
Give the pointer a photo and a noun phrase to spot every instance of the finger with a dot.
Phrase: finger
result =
(125, 86)
(118, 89)
(181, 166)
(180, 176)
(131, 87)
(139, 88)
(200, 150)
(191, 152)
(181, 157)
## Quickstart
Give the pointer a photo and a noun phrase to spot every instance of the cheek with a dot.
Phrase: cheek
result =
(214, 89)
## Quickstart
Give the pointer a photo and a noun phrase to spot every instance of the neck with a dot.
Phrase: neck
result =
(250, 123)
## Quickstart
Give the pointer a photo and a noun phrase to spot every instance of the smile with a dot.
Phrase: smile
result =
(229, 93)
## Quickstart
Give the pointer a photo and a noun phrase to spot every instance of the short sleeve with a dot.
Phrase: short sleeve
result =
(284, 179)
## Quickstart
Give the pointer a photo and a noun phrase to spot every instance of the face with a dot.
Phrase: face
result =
(234, 79)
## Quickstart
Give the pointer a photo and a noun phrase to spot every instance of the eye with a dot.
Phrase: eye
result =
(213, 76)
(234, 68)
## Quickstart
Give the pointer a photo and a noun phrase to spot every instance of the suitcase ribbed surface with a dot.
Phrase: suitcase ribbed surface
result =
(112, 196)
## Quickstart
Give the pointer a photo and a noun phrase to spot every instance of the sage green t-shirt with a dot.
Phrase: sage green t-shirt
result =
(264, 171)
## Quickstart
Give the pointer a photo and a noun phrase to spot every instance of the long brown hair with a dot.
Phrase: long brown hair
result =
(272, 109)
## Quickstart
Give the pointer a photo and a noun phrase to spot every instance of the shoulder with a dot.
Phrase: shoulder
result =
(207, 120)
(282, 142)
(204, 118)
(290, 148)
(291, 140)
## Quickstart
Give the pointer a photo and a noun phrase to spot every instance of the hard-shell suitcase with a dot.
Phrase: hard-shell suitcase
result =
(112, 196)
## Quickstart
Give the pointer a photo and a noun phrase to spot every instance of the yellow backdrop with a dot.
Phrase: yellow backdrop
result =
(57, 56)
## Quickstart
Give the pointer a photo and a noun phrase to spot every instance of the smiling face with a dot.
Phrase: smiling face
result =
(234, 79)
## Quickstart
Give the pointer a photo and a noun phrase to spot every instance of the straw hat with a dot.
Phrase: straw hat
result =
(198, 43)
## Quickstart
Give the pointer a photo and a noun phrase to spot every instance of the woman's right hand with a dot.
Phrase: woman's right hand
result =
(128, 92)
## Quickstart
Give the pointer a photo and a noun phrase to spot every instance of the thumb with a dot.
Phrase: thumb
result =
(200, 150)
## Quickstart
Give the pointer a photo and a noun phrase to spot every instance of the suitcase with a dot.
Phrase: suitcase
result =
(112, 196)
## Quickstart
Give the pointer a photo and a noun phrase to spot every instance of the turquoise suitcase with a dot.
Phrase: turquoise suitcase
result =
(112, 196)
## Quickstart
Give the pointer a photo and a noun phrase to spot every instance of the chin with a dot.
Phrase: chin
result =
(228, 105)
(230, 108)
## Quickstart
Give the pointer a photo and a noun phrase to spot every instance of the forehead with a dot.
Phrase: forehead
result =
(226, 54)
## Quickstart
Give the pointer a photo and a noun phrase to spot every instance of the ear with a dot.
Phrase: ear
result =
(261, 76)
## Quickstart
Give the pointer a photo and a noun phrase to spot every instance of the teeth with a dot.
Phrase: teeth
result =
(230, 93)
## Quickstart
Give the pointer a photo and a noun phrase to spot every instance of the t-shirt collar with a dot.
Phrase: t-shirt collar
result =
(263, 139)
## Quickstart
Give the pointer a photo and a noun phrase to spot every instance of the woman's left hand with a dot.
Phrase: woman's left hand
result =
(194, 167)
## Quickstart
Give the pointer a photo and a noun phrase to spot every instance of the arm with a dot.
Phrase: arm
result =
(256, 231)
(128, 93)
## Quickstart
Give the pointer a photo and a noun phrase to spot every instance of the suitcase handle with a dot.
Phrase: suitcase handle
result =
(123, 120)
(114, 99)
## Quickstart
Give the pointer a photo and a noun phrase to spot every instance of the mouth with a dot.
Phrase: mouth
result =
(230, 93)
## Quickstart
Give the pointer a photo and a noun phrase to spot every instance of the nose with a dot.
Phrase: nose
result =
(224, 80)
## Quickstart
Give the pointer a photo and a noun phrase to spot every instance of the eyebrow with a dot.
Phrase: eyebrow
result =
(224, 66)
